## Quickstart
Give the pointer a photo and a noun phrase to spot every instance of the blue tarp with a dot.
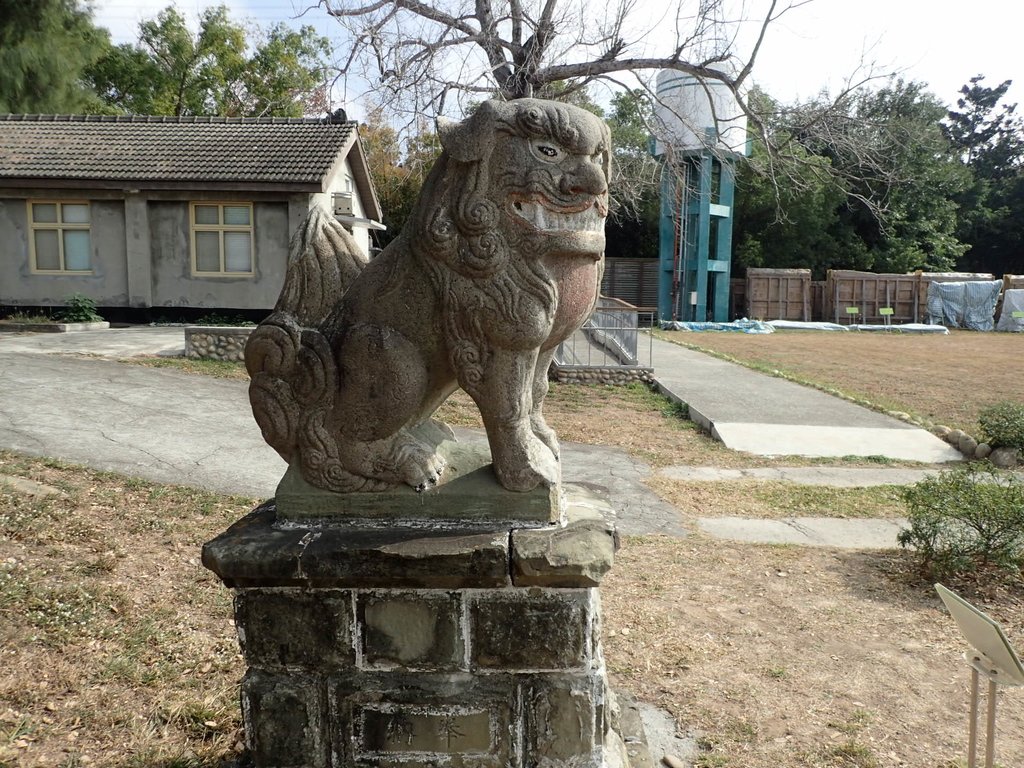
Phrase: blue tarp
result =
(969, 304)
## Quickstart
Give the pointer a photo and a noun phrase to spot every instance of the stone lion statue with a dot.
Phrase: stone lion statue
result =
(500, 262)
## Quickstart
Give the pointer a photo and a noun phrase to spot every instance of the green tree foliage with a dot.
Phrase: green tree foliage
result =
(398, 172)
(913, 175)
(866, 182)
(632, 228)
(223, 69)
(45, 46)
(989, 137)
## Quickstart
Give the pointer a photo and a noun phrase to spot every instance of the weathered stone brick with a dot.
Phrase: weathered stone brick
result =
(576, 555)
(564, 720)
(411, 630)
(412, 720)
(296, 628)
(529, 629)
(285, 720)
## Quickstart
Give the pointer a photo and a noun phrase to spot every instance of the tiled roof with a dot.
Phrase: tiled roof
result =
(170, 149)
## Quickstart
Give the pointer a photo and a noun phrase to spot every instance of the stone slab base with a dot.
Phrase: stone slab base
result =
(469, 491)
(408, 648)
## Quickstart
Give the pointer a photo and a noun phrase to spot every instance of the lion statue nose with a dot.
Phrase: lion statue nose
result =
(587, 179)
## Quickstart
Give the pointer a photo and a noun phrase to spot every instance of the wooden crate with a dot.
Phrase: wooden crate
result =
(868, 293)
(779, 294)
(1010, 282)
(906, 295)
(737, 298)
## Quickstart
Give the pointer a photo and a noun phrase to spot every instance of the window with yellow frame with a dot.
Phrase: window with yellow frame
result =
(222, 243)
(59, 236)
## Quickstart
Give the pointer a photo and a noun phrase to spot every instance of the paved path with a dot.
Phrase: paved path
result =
(769, 416)
(172, 427)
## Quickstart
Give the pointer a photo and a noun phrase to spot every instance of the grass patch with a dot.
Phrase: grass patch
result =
(25, 318)
(220, 369)
(775, 499)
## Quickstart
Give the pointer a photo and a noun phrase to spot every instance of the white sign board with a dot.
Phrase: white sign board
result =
(985, 636)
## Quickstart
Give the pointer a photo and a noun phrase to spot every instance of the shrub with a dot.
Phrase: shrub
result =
(965, 519)
(1002, 425)
(218, 320)
(79, 309)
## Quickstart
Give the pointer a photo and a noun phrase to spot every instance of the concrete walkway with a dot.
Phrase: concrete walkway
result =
(167, 426)
(768, 416)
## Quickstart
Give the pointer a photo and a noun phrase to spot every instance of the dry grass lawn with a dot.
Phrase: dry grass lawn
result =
(788, 657)
(942, 379)
(116, 645)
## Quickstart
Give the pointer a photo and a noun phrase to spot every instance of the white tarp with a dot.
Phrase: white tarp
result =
(1013, 301)
(970, 304)
(737, 326)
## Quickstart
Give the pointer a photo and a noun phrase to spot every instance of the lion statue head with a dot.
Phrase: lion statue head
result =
(524, 176)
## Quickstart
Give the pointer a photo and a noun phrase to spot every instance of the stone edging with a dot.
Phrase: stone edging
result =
(600, 374)
(98, 325)
(209, 342)
(974, 449)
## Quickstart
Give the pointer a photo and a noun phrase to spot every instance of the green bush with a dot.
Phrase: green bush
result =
(966, 519)
(1002, 425)
(218, 320)
(79, 309)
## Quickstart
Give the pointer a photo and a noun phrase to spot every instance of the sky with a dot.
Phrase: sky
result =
(817, 45)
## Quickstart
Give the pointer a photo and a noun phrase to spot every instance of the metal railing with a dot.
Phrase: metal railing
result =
(611, 337)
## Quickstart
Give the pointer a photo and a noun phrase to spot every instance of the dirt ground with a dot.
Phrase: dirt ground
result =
(788, 657)
(944, 379)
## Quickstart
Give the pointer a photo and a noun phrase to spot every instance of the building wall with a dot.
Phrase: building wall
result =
(108, 283)
(174, 285)
(343, 181)
(141, 248)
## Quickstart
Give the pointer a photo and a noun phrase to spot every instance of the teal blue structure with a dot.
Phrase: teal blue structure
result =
(698, 188)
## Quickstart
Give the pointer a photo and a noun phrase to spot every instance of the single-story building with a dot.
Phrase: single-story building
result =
(145, 212)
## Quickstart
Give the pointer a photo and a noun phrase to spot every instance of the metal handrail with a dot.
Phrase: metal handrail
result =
(609, 338)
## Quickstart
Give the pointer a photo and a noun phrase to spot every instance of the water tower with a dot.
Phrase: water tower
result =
(701, 133)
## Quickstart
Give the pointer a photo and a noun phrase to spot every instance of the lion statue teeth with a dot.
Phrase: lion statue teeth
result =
(499, 263)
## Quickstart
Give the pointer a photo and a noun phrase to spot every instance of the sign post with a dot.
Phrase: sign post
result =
(993, 657)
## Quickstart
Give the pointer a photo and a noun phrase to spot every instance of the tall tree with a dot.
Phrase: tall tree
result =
(398, 172)
(632, 228)
(870, 186)
(419, 54)
(987, 131)
(45, 47)
(223, 69)
(989, 136)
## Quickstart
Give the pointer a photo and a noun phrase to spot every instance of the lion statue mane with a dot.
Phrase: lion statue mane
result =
(500, 261)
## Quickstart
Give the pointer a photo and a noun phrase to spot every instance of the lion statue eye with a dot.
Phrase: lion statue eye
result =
(547, 152)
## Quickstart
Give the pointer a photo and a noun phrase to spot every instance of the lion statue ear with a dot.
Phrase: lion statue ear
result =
(467, 142)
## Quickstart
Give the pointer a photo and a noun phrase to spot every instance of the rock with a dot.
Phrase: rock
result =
(941, 431)
(982, 451)
(967, 445)
(1004, 458)
(577, 555)
(954, 435)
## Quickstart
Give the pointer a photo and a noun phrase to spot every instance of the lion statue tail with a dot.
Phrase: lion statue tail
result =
(293, 376)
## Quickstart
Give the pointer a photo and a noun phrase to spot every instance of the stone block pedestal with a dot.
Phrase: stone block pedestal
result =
(418, 646)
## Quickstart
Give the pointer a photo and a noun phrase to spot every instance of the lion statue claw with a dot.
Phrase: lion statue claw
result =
(499, 263)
